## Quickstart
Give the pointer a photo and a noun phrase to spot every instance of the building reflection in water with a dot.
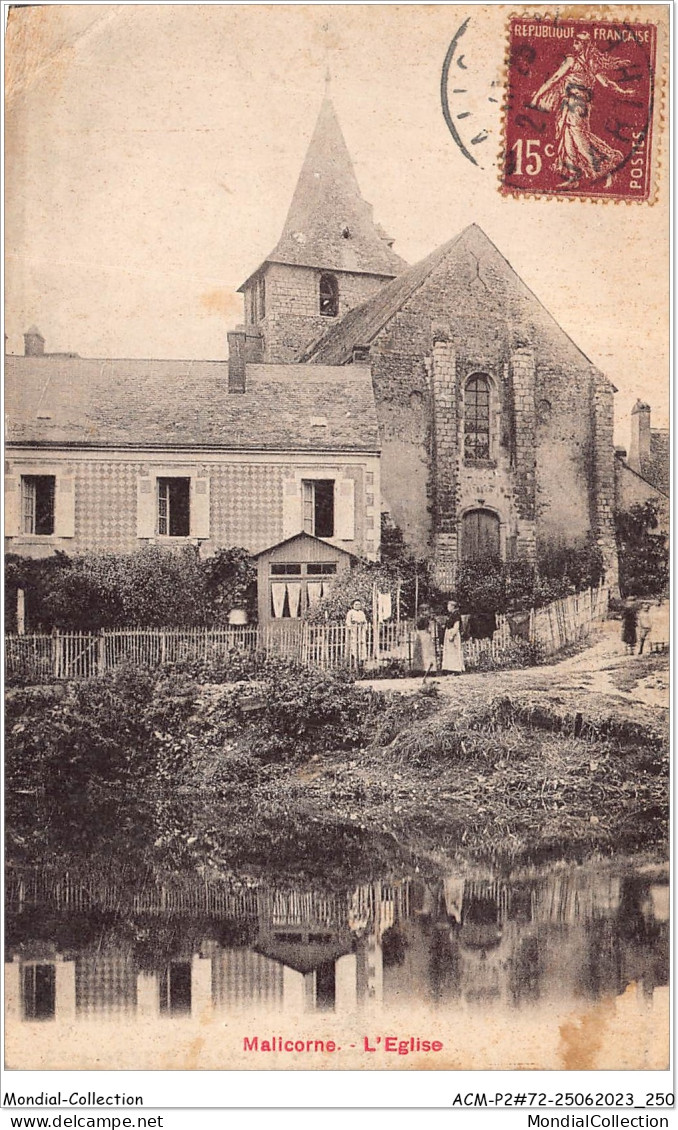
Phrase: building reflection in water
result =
(81, 947)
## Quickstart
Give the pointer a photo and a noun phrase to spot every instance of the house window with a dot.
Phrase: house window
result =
(321, 569)
(284, 569)
(477, 418)
(318, 507)
(174, 988)
(37, 504)
(262, 298)
(174, 507)
(39, 992)
(329, 296)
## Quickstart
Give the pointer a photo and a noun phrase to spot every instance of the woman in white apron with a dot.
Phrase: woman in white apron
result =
(453, 659)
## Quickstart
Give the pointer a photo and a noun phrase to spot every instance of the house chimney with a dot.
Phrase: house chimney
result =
(34, 343)
(245, 347)
(639, 448)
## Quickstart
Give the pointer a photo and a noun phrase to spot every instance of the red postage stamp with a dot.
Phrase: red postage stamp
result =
(578, 120)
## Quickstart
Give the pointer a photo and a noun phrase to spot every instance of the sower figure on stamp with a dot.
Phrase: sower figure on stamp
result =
(570, 92)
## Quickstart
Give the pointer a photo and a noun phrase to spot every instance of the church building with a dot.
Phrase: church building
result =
(496, 430)
(443, 393)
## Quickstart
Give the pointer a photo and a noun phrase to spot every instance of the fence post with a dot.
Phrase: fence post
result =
(55, 652)
(20, 612)
(163, 648)
(101, 652)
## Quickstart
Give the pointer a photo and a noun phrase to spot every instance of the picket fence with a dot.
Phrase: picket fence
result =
(79, 890)
(64, 656)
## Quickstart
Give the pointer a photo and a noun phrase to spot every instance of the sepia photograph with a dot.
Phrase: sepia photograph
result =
(336, 504)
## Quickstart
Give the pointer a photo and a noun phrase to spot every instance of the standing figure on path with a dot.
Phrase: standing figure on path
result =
(424, 648)
(629, 627)
(453, 659)
(356, 628)
(569, 93)
(643, 625)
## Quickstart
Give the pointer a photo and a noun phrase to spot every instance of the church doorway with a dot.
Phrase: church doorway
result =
(480, 535)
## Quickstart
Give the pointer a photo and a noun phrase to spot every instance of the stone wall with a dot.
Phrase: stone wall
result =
(292, 307)
(548, 478)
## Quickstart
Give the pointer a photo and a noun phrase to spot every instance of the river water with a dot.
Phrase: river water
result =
(562, 965)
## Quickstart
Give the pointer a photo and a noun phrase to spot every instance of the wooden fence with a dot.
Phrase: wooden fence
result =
(569, 620)
(73, 891)
(81, 655)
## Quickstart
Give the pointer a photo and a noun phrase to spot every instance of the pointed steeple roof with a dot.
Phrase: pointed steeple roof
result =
(329, 225)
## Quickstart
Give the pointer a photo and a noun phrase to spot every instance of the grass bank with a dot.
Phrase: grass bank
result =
(305, 772)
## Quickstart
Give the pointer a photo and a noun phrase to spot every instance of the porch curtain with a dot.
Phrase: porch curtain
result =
(278, 593)
(315, 591)
(327, 588)
(294, 598)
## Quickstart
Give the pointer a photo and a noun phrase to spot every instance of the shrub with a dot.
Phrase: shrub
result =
(516, 653)
(154, 587)
(217, 667)
(296, 711)
(518, 584)
(109, 731)
(643, 551)
(230, 580)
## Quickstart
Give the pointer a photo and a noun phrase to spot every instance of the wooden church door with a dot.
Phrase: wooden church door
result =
(479, 535)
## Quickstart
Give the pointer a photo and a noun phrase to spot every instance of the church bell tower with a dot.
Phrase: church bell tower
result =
(330, 257)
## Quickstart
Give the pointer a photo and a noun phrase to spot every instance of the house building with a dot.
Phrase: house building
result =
(444, 393)
(109, 456)
(644, 475)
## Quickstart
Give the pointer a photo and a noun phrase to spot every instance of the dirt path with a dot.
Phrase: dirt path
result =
(595, 670)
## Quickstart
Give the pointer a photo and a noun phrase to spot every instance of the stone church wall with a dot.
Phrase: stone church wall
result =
(550, 475)
(292, 300)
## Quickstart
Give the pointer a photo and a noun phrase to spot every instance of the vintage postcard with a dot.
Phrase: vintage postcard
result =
(336, 528)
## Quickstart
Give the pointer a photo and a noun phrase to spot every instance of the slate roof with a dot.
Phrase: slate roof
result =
(170, 404)
(326, 202)
(362, 324)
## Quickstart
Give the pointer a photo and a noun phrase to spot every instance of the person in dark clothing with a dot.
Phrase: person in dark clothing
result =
(630, 628)
(482, 625)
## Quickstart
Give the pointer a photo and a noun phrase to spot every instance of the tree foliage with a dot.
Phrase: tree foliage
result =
(154, 587)
(502, 586)
(643, 551)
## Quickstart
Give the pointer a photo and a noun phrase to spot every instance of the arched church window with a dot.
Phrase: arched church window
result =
(477, 418)
(329, 296)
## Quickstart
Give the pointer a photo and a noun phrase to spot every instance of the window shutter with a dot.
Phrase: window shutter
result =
(146, 506)
(344, 507)
(64, 506)
(12, 505)
(200, 507)
(292, 518)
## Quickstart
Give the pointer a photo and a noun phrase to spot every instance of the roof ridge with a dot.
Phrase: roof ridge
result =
(430, 261)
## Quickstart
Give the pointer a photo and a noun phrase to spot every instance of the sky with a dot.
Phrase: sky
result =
(152, 153)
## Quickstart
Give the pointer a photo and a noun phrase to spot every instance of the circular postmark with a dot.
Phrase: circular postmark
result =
(470, 95)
